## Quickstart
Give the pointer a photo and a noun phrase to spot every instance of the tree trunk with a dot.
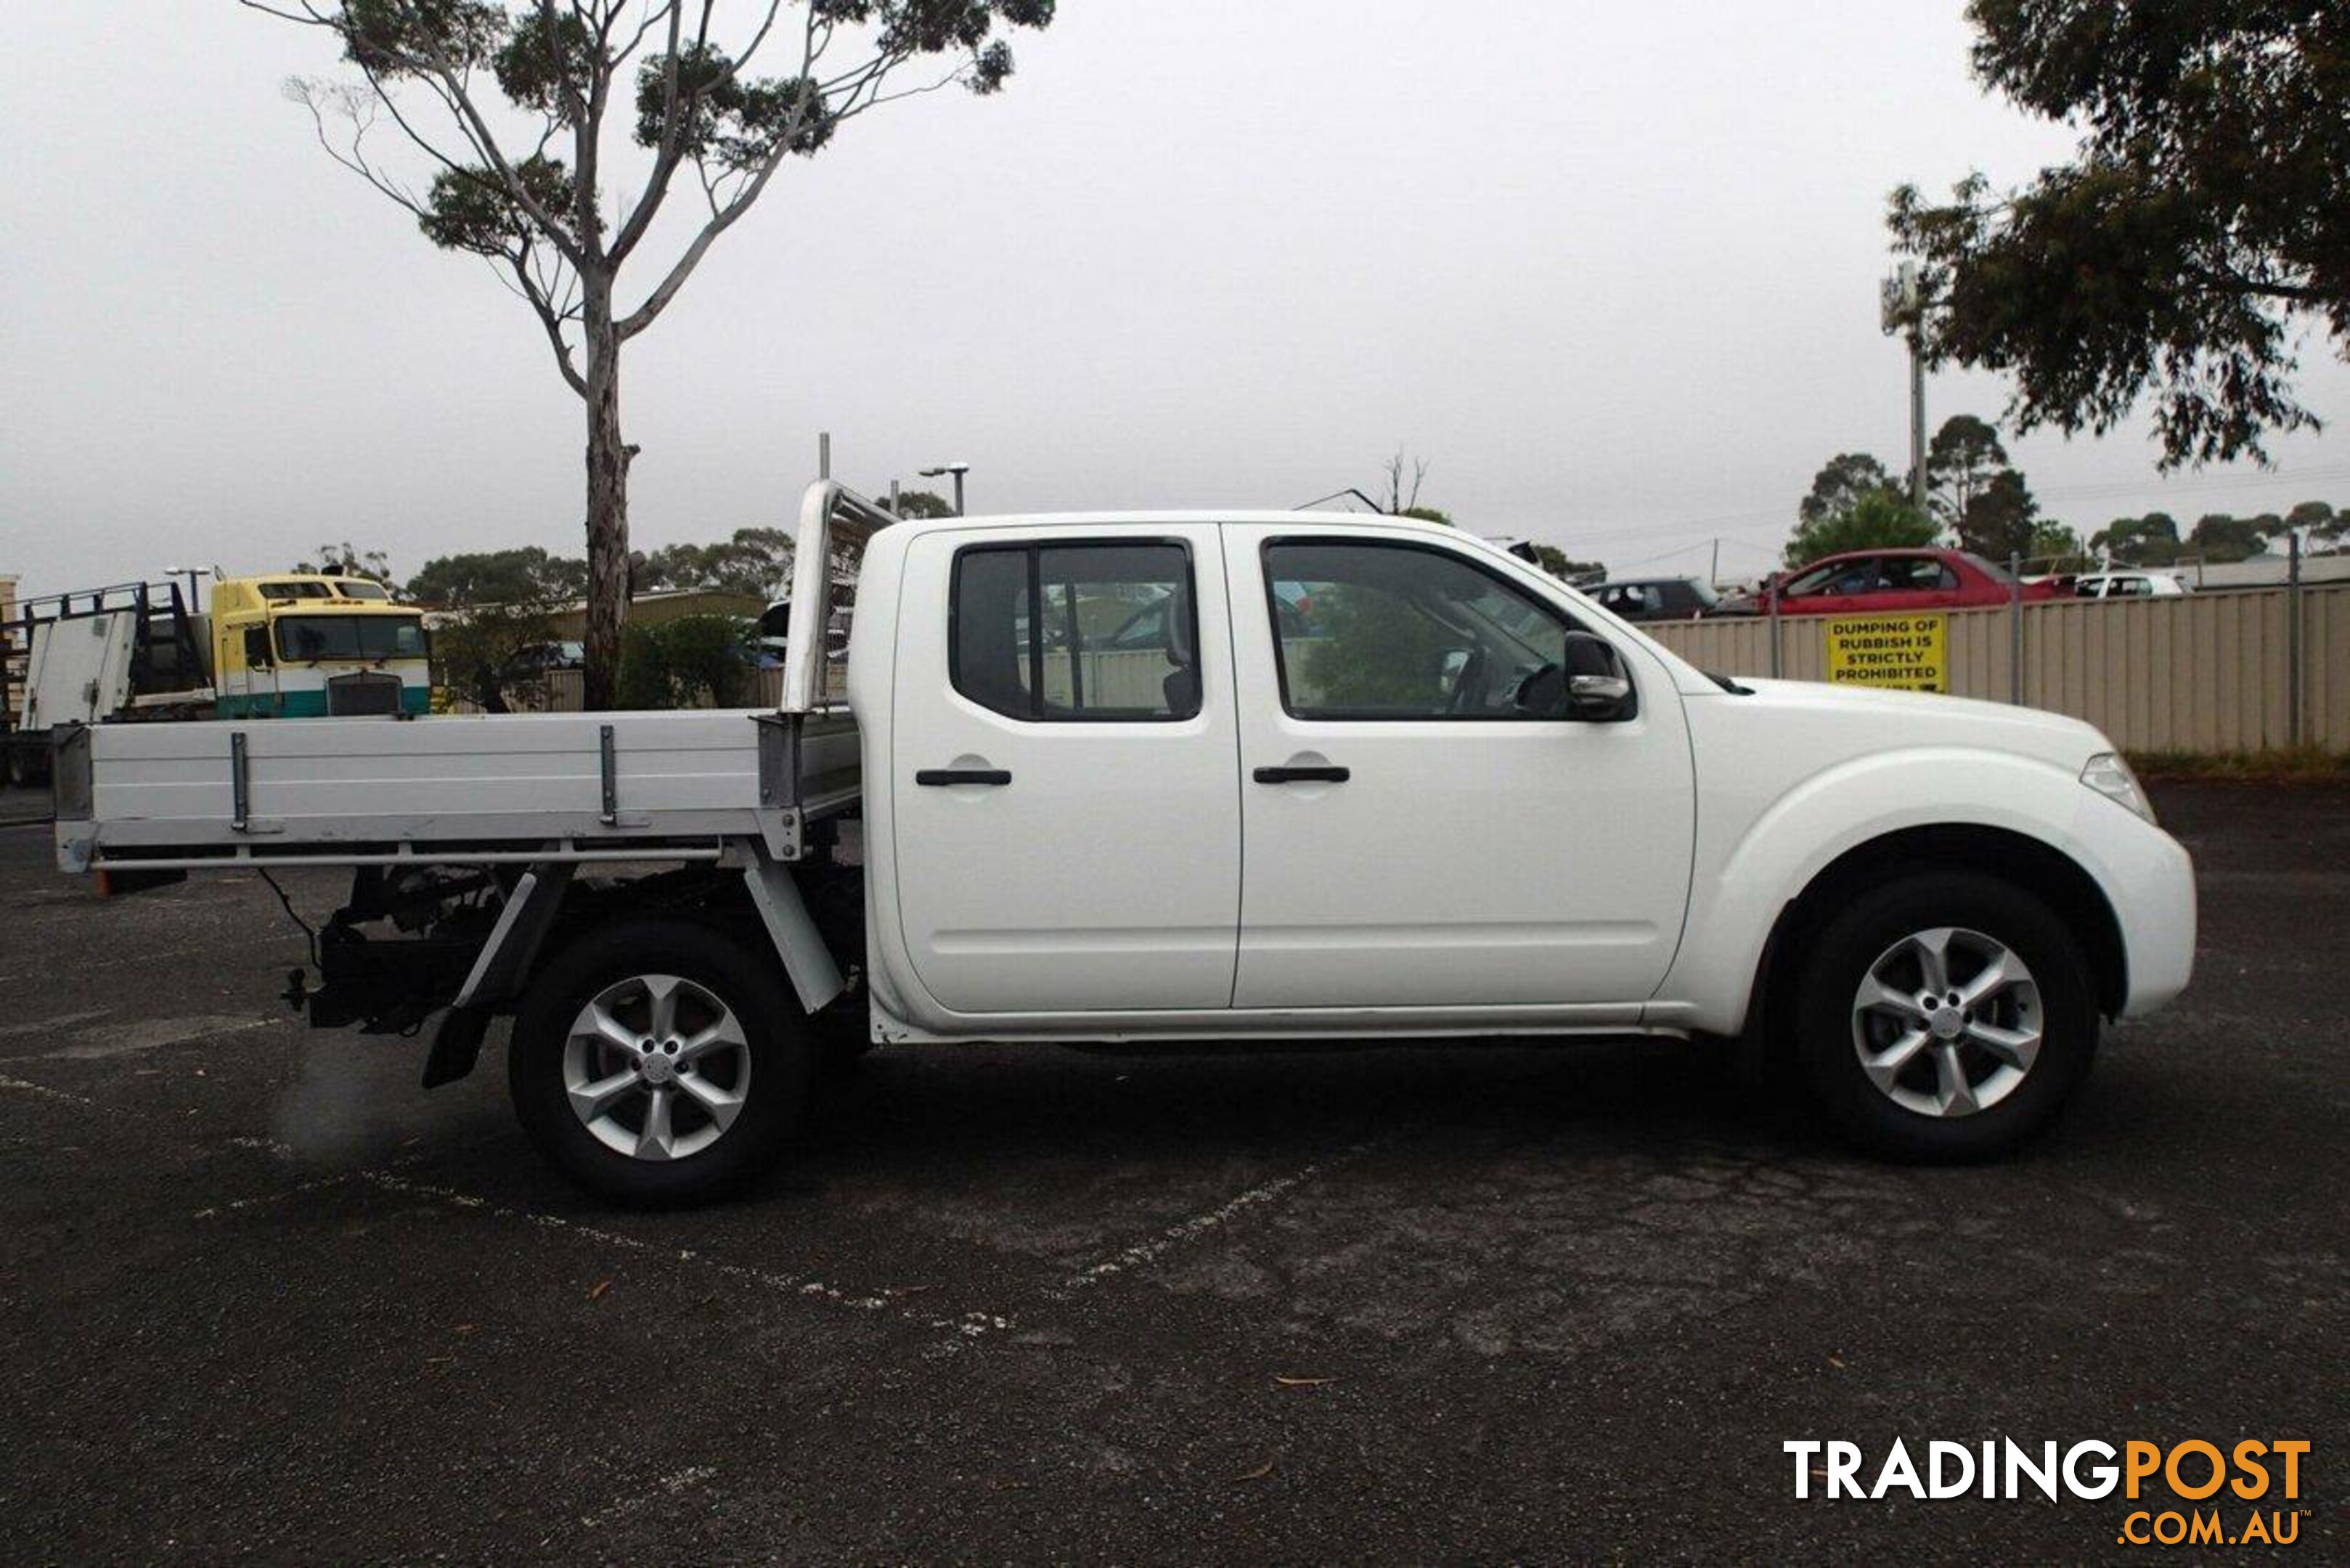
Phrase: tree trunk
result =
(608, 498)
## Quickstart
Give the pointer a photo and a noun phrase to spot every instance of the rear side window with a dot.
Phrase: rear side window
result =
(1069, 633)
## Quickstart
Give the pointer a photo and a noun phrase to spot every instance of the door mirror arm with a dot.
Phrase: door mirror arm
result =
(1598, 689)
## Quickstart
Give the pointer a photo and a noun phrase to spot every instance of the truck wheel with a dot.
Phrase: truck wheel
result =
(1945, 1017)
(659, 1061)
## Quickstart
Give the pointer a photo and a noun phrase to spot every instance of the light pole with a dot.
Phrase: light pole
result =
(957, 470)
(192, 573)
(1901, 314)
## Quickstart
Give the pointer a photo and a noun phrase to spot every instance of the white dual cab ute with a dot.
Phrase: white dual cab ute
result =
(1180, 777)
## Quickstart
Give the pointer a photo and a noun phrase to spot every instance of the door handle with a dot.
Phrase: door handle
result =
(964, 776)
(1324, 774)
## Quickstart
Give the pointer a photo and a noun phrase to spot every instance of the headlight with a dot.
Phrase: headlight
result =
(2110, 776)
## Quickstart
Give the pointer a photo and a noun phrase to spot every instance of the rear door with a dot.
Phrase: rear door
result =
(1919, 583)
(1064, 783)
(1412, 838)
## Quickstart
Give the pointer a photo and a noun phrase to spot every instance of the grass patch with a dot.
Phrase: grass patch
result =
(2283, 764)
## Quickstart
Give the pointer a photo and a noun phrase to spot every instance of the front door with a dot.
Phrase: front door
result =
(1414, 837)
(1063, 778)
(244, 669)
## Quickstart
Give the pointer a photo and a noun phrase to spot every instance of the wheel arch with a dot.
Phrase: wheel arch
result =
(2040, 868)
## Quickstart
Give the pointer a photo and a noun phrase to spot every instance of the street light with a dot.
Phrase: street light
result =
(957, 470)
(192, 573)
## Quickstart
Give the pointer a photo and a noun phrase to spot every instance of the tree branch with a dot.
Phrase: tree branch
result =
(552, 320)
(724, 218)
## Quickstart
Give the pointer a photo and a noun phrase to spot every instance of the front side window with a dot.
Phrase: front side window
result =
(1826, 580)
(316, 636)
(1076, 632)
(1404, 632)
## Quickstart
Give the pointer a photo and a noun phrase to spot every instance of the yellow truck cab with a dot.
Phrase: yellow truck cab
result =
(299, 645)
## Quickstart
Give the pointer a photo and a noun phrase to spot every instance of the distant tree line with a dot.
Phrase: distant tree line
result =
(754, 563)
(1980, 500)
(497, 648)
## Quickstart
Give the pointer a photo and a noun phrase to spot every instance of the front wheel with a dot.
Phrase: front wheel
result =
(660, 1062)
(1944, 1017)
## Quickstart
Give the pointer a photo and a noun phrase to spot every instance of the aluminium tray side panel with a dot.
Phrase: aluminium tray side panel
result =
(440, 777)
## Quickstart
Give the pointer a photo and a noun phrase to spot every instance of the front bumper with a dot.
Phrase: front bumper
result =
(2149, 878)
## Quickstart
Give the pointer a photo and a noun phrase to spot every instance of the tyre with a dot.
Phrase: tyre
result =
(660, 1062)
(842, 1031)
(1944, 1018)
(29, 763)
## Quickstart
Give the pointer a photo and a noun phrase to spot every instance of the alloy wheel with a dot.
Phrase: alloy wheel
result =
(1947, 1021)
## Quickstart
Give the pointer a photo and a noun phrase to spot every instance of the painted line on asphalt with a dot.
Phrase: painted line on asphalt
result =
(163, 1032)
(1144, 1253)
(666, 1487)
(42, 1091)
(957, 1332)
(59, 1022)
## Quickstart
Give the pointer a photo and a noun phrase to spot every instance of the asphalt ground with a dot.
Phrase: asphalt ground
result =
(260, 1295)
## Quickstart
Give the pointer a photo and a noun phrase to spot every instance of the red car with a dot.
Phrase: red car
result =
(1881, 582)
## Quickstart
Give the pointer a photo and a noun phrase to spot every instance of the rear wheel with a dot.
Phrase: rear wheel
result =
(660, 1062)
(1944, 1017)
(28, 762)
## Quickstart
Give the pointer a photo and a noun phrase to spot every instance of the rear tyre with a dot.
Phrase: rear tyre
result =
(660, 1062)
(1944, 1018)
(842, 1031)
(29, 763)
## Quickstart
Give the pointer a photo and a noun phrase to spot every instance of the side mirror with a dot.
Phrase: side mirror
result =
(1448, 672)
(256, 647)
(1598, 687)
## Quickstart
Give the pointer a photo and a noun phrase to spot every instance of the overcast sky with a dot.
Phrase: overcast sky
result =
(1612, 271)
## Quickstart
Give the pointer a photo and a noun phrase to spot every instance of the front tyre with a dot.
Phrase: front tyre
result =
(660, 1062)
(1944, 1017)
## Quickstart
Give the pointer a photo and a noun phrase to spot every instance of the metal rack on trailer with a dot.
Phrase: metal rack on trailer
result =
(148, 639)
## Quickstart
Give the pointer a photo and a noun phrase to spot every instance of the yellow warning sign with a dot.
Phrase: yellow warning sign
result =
(1907, 651)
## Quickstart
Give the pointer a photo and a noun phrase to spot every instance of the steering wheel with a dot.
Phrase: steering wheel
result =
(1465, 684)
(1527, 683)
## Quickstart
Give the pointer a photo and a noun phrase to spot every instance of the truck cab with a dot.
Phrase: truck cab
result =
(301, 645)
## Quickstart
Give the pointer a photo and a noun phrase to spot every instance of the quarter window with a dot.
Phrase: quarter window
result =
(1387, 631)
(1076, 632)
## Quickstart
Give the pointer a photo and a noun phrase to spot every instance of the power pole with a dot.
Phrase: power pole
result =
(1713, 572)
(1901, 300)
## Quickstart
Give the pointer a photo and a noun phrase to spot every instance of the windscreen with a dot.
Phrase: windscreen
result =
(314, 636)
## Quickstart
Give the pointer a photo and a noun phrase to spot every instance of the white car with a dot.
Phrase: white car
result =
(2128, 586)
(1368, 777)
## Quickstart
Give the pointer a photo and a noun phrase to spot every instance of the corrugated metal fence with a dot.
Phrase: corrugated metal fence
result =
(2206, 672)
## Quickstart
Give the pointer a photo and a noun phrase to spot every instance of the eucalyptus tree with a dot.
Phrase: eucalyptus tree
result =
(546, 137)
(2196, 242)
